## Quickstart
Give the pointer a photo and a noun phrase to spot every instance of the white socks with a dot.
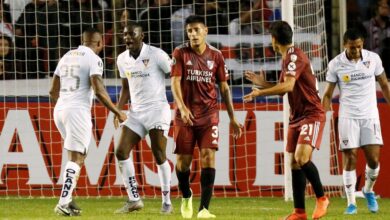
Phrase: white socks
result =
(349, 179)
(128, 174)
(70, 177)
(164, 174)
(371, 175)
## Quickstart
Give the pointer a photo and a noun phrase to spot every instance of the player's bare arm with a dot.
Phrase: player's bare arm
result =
(101, 94)
(124, 98)
(227, 98)
(327, 98)
(258, 79)
(55, 89)
(384, 84)
(185, 113)
(278, 89)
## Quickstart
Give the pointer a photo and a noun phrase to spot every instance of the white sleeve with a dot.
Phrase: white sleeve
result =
(379, 67)
(96, 66)
(331, 75)
(57, 71)
(118, 64)
(164, 61)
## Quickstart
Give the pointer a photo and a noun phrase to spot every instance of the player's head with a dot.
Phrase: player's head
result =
(196, 30)
(133, 36)
(281, 33)
(353, 42)
(92, 38)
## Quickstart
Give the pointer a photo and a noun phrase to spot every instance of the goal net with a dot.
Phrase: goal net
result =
(31, 155)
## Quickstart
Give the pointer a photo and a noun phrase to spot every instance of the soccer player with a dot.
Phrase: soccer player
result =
(142, 68)
(196, 68)
(354, 71)
(307, 117)
(78, 71)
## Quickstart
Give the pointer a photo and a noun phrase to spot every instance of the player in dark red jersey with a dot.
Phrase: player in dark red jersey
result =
(307, 117)
(196, 69)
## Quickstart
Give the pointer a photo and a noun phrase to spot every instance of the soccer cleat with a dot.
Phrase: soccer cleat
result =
(372, 204)
(186, 207)
(204, 213)
(322, 204)
(296, 216)
(166, 208)
(130, 206)
(351, 210)
(67, 210)
(74, 206)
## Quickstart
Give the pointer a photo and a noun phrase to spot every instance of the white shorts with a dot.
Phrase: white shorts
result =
(75, 126)
(143, 121)
(354, 133)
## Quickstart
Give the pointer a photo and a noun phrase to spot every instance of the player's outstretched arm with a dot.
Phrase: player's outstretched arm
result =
(278, 89)
(55, 89)
(384, 84)
(227, 98)
(328, 94)
(185, 113)
(258, 79)
(102, 95)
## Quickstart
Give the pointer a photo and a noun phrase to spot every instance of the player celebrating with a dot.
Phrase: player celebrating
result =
(76, 72)
(196, 68)
(307, 117)
(355, 71)
(142, 68)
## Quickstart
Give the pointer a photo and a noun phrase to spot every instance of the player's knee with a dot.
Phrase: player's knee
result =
(373, 163)
(160, 158)
(121, 154)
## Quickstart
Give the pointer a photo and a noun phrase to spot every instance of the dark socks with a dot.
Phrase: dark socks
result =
(299, 186)
(184, 183)
(311, 173)
(207, 182)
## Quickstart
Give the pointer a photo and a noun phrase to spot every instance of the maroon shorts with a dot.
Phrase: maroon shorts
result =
(309, 132)
(203, 136)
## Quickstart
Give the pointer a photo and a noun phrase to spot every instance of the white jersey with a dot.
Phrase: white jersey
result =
(357, 85)
(74, 70)
(146, 77)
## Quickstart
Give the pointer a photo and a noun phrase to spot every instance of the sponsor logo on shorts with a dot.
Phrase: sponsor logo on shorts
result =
(345, 142)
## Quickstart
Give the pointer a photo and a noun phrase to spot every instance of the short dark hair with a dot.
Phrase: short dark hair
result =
(91, 30)
(134, 25)
(282, 32)
(353, 34)
(195, 19)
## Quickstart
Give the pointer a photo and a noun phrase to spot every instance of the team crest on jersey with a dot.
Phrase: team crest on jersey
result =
(128, 74)
(210, 64)
(145, 61)
(293, 57)
(346, 78)
(367, 64)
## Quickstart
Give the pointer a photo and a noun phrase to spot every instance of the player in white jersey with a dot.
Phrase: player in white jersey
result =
(354, 71)
(142, 68)
(78, 72)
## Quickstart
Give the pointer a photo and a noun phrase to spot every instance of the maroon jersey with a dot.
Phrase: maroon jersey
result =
(304, 101)
(199, 74)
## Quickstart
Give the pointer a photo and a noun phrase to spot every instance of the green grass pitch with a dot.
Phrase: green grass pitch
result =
(223, 208)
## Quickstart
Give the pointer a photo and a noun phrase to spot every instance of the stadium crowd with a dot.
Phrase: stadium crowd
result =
(38, 32)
